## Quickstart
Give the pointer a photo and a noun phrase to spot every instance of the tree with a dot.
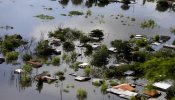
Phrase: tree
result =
(89, 49)
(12, 55)
(162, 5)
(122, 47)
(43, 49)
(68, 46)
(96, 33)
(84, 39)
(100, 57)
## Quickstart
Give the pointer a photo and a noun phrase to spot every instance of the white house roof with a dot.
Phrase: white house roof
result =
(79, 78)
(162, 85)
(83, 64)
(122, 92)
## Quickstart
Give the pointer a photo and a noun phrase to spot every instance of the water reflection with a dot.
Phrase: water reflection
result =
(64, 2)
(77, 2)
(125, 6)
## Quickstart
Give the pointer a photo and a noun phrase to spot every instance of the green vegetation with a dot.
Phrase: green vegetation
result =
(66, 34)
(104, 87)
(68, 46)
(148, 24)
(27, 69)
(113, 83)
(43, 49)
(11, 42)
(133, 19)
(87, 70)
(26, 57)
(56, 60)
(59, 73)
(44, 17)
(100, 57)
(75, 66)
(12, 55)
(97, 83)
(173, 42)
(81, 94)
(162, 5)
(71, 13)
(96, 33)
(172, 30)
(88, 13)
(65, 90)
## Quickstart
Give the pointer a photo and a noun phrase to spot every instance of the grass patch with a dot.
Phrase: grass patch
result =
(65, 90)
(44, 17)
(81, 94)
(71, 13)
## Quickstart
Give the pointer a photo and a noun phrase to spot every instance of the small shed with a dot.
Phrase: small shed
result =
(162, 85)
(83, 65)
(151, 93)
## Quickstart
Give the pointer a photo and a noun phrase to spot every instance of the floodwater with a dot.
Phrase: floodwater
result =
(19, 14)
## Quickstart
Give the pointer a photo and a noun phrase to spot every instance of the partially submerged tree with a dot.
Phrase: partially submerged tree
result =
(100, 57)
(96, 33)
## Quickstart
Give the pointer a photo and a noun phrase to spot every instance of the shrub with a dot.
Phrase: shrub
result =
(113, 83)
(104, 86)
(44, 17)
(87, 70)
(27, 69)
(26, 57)
(56, 60)
(12, 55)
(96, 83)
(59, 73)
(75, 13)
(81, 94)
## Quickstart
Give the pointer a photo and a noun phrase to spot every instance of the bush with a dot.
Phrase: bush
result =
(87, 70)
(104, 87)
(26, 57)
(75, 13)
(97, 83)
(61, 78)
(56, 60)
(113, 83)
(27, 69)
(68, 46)
(162, 5)
(12, 55)
(59, 73)
(141, 42)
(81, 94)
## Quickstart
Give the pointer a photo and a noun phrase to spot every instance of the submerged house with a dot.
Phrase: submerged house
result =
(35, 64)
(123, 90)
(83, 65)
(151, 93)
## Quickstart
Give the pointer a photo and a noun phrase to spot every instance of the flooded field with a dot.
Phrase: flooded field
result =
(27, 18)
